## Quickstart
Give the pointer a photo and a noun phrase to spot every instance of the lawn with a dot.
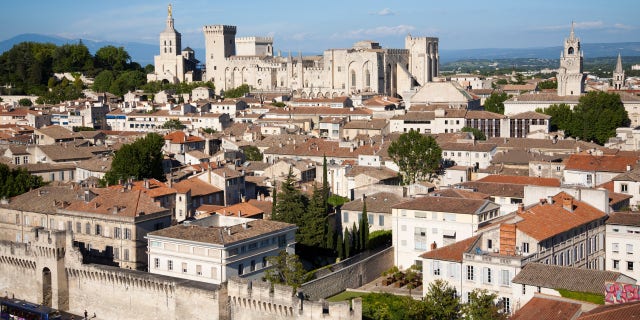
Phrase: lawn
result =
(345, 295)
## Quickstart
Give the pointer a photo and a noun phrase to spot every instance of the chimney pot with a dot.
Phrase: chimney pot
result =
(520, 207)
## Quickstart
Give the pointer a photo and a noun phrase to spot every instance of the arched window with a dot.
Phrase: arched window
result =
(367, 78)
(570, 51)
(353, 78)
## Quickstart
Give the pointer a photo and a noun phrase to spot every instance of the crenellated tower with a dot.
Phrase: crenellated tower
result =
(220, 43)
(424, 60)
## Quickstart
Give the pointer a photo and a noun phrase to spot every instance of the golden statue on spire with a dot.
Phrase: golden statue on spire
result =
(169, 9)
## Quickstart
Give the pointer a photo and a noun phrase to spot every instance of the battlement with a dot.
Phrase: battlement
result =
(255, 39)
(218, 28)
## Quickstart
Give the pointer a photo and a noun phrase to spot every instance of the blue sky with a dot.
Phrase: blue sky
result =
(314, 26)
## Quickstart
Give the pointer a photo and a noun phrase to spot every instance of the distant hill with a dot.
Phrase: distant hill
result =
(143, 53)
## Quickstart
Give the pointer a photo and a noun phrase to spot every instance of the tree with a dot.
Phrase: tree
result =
(477, 134)
(291, 203)
(340, 246)
(102, 82)
(495, 102)
(313, 222)
(549, 84)
(442, 301)
(252, 153)
(412, 275)
(364, 228)
(237, 92)
(17, 181)
(416, 155)
(325, 184)
(482, 306)
(173, 124)
(25, 102)
(597, 116)
(561, 117)
(286, 269)
(347, 243)
(355, 238)
(141, 159)
(112, 58)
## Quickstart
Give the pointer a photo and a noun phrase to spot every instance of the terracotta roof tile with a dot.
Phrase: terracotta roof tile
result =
(551, 308)
(624, 219)
(548, 182)
(444, 204)
(629, 310)
(197, 187)
(179, 137)
(378, 202)
(606, 163)
(460, 193)
(453, 252)
(123, 203)
(242, 209)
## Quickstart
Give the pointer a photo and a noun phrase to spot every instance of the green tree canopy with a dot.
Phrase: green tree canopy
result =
(286, 269)
(442, 301)
(597, 116)
(477, 134)
(102, 82)
(549, 84)
(252, 153)
(482, 306)
(495, 102)
(313, 222)
(72, 58)
(291, 202)
(173, 124)
(112, 58)
(141, 159)
(561, 117)
(418, 156)
(25, 102)
(17, 181)
(237, 92)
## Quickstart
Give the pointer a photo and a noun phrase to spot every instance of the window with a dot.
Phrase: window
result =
(98, 230)
(487, 275)
(489, 243)
(589, 179)
(470, 273)
(615, 247)
(630, 265)
(116, 233)
(353, 78)
(156, 263)
(381, 220)
(345, 216)
(126, 254)
(436, 268)
(282, 241)
(116, 253)
(87, 228)
(506, 305)
(199, 270)
(240, 269)
(624, 188)
(25, 159)
(524, 289)
(253, 265)
(616, 264)
(169, 265)
(127, 233)
(184, 267)
(370, 219)
(69, 225)
(505, 279)
(264, 262)
(629, 248)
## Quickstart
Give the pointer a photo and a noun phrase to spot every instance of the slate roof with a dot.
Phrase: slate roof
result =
(218, 235)
(377, 202)
(453, 252)
(443, 204)
(548, 308)
(568, 278)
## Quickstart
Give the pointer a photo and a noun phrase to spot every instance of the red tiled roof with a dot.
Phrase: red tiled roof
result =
(180, 137)
(245, 209)
(547, 182)
(606, 163)
(551, 308)
(452, 252)
(629, 310)
(444, 204)
(543, 221)
(197, 187)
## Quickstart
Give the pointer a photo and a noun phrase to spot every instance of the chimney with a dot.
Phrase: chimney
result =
(434, 246)
(239, 213)
(567, 203)
(628, 167)
(549, 199)
(521, 208)
(146, 183)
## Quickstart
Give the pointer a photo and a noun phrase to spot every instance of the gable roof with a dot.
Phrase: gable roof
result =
(444, 204)
(629, 310)
(179, 137)
(624, 219)
(453, 252)
(377, 202)
(568, 278)
(547, 182)
(109, 201)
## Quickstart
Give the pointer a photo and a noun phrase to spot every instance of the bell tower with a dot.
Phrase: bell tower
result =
(570, 75)
(618, 75)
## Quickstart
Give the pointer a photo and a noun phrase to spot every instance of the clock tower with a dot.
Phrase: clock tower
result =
(570, 76)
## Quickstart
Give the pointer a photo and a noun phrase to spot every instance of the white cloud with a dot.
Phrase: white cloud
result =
(385, 12)
(623, 26)
(381, 31)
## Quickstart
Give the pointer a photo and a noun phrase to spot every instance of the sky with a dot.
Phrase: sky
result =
(313, 26)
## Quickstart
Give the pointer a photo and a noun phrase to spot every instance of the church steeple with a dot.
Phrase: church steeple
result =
(169, 18)
(570, 76)
(618, 75)
(572, 35)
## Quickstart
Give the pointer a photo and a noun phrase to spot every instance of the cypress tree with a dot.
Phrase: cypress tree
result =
(364, 227)
(291, 203)
(325, 185)
(274, 199)
(356, 238)
(347, 243)
(331, 236)
(313, 222)
(340, 246)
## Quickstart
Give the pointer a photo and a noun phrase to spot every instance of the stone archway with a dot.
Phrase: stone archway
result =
(47, 292)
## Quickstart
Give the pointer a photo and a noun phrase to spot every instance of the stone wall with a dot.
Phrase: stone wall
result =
(351, 273)
(257, 300)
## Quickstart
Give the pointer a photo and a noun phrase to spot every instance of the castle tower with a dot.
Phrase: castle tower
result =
(618, 75)
(570, 76)
(424, 60)
(220, 43)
